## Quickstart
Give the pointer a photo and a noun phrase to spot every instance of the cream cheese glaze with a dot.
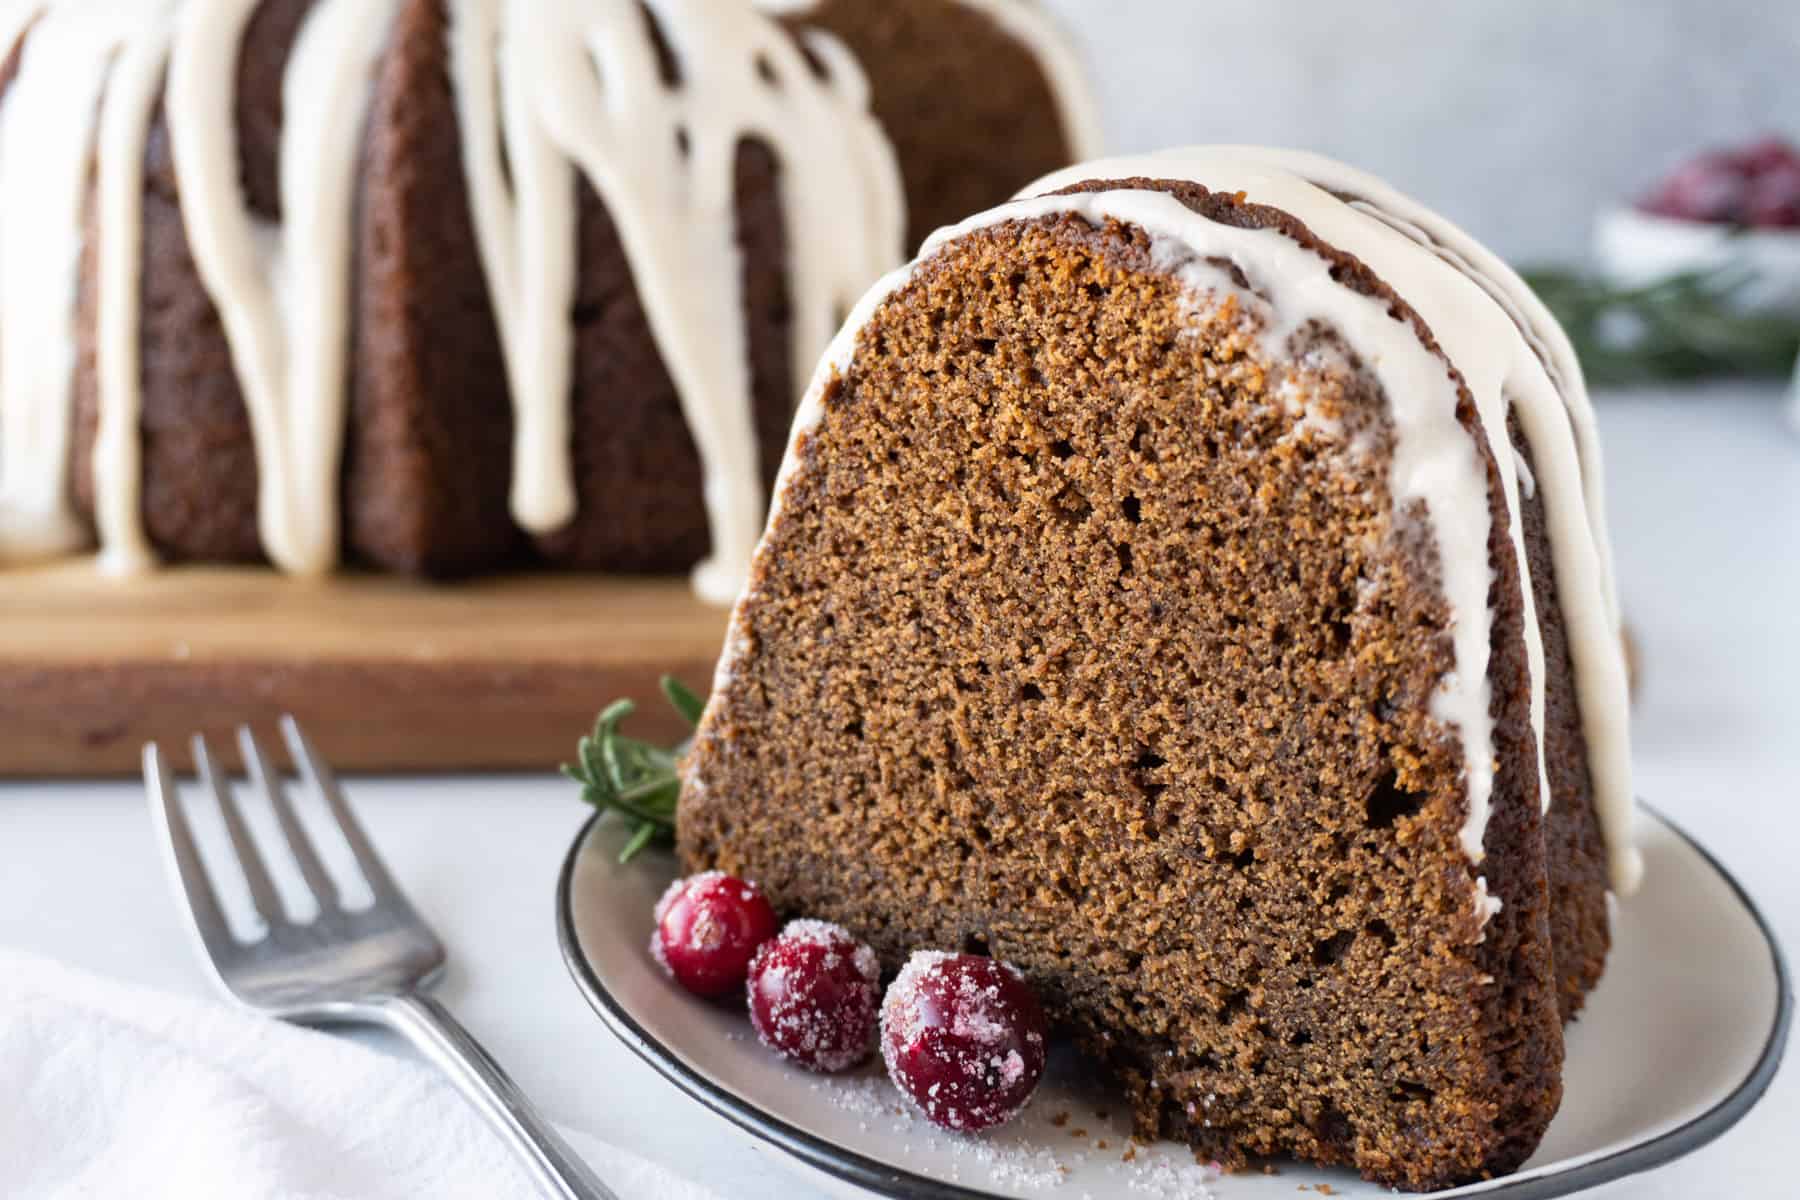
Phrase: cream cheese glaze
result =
(46, 144)
(558, 87)
(1489, 328)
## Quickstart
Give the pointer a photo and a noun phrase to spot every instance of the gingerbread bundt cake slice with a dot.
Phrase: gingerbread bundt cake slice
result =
(1189, 585)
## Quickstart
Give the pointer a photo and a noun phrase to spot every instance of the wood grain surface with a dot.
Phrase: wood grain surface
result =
(385, 674)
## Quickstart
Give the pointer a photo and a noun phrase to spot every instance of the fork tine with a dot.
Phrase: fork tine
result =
(305, 856)
(262, 890)
(171, 820)
(319, 773)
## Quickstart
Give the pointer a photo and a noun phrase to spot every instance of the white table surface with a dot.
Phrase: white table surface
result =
(1705, 507)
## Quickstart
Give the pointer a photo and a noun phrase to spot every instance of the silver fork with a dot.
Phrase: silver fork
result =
(366, 966)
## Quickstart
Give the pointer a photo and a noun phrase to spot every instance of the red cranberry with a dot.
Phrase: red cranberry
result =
(964, 1038)
(707, 927)
(1769, 154)
(1712, 187)
(1774, 200)
(813, 992)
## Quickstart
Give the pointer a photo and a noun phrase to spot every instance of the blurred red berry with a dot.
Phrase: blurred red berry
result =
(1758, 186)
(1774, 199)
(1769, 154)
(1713, 187)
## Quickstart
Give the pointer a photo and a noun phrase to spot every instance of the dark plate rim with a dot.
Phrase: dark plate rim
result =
(882, 1179)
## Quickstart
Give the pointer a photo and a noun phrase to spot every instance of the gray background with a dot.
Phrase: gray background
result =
(1518, 119)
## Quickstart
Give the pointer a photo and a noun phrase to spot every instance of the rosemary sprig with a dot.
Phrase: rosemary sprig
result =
(1684, 327)
(631, 777)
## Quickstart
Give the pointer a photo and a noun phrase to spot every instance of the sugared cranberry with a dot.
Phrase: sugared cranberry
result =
(1769, 154)
(964, 1038)
(1713, 187)
(813, 991)
(1774, 199)
(707, 928)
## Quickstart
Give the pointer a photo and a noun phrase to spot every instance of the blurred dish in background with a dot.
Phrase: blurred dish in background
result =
(1723, 211)
(1637, 249)
(1757, 187)
(1701, 277)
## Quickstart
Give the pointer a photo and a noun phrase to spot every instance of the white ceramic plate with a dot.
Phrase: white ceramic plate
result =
(1676, 1044)
(1636, 248)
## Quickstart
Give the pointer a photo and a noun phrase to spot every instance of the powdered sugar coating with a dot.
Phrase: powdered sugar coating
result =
(813, 992)
(1044, 1151)
(963, 1038)
(707, 928)
(676, 887)
(656, 953)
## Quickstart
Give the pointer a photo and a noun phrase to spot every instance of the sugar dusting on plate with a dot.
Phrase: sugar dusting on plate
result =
(1038, 1151)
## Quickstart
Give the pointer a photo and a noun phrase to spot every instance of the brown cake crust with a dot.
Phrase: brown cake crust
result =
(199, 457)
(970, 111)
(637, 474)
(9, 62)
(428, 460)
(430, 467)
(1580, 931)
(427, 452)
(1023, 674)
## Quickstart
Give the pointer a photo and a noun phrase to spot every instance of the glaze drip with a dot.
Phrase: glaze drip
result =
(546, 92)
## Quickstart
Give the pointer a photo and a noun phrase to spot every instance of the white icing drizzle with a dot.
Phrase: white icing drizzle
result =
(1435, 461)
(118, 447)
(1527, 481)
(559, 86)
(1557, 421)
(282, 292)
(46, 144)
(578, 90)
(1486, 905)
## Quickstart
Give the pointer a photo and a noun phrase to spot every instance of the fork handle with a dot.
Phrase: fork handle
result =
(442, 1039)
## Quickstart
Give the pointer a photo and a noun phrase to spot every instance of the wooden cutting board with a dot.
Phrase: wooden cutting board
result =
(384, 674)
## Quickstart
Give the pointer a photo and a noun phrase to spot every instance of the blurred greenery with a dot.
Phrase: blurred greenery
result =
(1685, 327)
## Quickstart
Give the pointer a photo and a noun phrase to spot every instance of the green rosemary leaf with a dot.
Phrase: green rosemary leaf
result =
(639, 812)
(593, 766)
(609, 755)
(656, 795)
(646, 833)
(607, 726)
(633, 778)
(685, 701)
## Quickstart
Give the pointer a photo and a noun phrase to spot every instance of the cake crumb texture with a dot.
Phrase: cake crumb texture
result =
(1077, 644)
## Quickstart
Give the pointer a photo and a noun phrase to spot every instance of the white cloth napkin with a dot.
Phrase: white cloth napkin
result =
(109, 1091)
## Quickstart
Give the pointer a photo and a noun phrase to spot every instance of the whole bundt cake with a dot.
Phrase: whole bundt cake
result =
(979, 96)
(1189, 584)
(436, 286)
